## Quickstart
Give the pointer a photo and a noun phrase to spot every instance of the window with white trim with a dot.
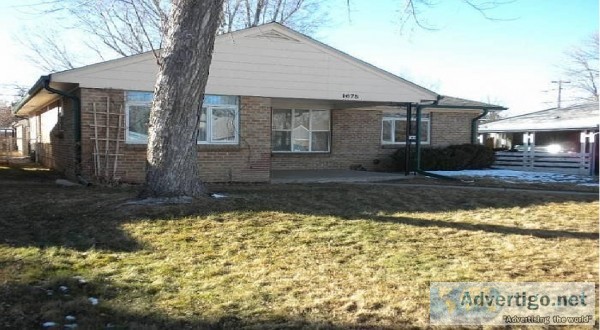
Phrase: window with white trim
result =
(299, 130)
(393, 128)
(219, 118)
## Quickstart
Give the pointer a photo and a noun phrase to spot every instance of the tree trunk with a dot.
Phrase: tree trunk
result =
(172, 158)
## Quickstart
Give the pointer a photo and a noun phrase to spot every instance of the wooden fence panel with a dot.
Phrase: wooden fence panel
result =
(570, 163)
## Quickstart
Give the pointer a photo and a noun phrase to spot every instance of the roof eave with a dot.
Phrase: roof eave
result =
(494, 108)
(38, 86)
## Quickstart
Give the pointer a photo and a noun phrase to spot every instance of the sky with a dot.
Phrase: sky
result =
(509, 60)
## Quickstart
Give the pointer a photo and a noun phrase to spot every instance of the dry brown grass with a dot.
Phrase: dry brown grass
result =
(281, 256)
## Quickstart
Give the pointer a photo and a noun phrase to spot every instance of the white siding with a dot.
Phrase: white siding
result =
(48, 121)
(283, 65)
(34, 129)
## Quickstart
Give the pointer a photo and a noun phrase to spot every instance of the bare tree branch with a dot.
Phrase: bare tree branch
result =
(413, 10)
(582, 68)
(128, 27)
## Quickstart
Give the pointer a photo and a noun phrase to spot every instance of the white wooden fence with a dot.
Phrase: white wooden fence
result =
(568, 163)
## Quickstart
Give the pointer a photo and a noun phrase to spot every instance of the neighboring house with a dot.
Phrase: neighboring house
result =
(276, 100)
(571, 133)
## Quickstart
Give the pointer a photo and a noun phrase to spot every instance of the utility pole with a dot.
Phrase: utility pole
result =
(560, 83)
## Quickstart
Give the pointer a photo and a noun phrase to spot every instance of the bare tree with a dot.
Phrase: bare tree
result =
(301, 15)
(47, 50)
(172, 157)
(582, 68)
(412, 11)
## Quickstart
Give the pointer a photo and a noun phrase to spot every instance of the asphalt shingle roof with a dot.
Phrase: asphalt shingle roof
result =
(458, 102)
(583, 116)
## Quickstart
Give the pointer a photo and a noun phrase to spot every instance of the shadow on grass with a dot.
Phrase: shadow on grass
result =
(37, 212)
(58, 297)
(498, 229)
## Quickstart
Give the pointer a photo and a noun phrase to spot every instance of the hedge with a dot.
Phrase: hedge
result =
(451, 158)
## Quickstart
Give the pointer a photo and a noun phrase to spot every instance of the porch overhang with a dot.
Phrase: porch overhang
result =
(37, 96)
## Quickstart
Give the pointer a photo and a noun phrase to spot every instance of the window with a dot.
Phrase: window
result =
(296, 130)
(218, 119)
(393, 129)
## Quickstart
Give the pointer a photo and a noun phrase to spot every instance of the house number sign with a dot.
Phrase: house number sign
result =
(350, 96)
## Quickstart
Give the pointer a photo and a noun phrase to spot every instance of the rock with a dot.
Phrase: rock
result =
(66, 183)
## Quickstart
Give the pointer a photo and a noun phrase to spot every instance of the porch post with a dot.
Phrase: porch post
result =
(529, 153)
(584, 137)
(407, 139)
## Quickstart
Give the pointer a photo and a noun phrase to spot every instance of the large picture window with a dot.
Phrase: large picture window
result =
(219, 118)
(297, 130)
(393, 129)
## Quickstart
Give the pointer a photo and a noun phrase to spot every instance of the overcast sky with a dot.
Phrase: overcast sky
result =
(509, 61)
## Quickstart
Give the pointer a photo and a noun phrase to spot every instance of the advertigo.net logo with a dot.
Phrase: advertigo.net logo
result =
(531, 301)
(500, 303)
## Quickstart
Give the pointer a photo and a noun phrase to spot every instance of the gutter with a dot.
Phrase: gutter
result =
(45, 84)
(39, 85)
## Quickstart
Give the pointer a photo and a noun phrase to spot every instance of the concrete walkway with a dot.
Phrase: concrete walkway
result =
(491, 189)
(330, 176)
(390, 179)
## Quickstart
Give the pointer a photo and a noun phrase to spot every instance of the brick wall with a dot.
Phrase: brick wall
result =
(451, 127)
(355, 140)
(249, 161)
(95, 126)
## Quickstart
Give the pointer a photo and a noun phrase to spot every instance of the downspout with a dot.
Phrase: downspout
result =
(76, 124)
(474, 125)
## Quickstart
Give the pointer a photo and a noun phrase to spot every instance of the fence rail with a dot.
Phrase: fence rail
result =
(569, 163)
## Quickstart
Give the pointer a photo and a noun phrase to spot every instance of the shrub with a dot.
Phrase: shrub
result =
(451, 158)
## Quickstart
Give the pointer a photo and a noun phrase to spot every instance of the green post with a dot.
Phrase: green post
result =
(418, 142)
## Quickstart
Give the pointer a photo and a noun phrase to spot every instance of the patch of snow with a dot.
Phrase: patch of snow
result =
(70, 318)
(93, 301)
(49, 324)
(80, 279)
(217, 195)
(513, 176)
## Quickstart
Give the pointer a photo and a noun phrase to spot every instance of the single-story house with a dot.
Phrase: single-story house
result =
(275, 100)
(570, 133)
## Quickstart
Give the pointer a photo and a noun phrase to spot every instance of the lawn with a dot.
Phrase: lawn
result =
(273, 256)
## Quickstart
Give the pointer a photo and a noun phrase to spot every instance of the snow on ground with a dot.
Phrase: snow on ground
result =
(513, 176)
